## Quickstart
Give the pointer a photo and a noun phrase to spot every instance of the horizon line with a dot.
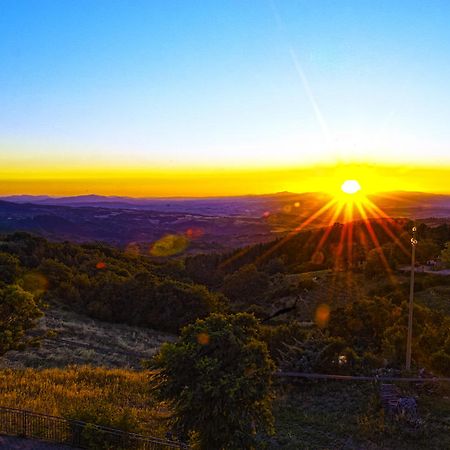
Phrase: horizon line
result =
(199, 197)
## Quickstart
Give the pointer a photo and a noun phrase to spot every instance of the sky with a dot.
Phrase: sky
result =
(223, 97)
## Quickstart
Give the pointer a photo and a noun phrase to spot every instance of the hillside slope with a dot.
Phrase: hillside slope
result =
(80, 340)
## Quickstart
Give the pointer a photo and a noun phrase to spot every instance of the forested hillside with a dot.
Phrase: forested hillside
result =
(314, 307)
(288, 284)
(106, 283)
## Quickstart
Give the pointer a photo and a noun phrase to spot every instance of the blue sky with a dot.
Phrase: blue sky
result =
(224, 83)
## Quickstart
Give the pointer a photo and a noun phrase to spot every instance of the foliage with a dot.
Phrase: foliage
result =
(245, 284)
(378, 325)
(378, 257)
(319, 353)
(440, 362)
(427, 249)
(18, 313)
(445, 254)
(106, 283)
(364, 335)
(9, 268)
(277, 337)
(218, 379)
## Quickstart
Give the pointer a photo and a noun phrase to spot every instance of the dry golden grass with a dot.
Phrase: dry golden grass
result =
(111, 397)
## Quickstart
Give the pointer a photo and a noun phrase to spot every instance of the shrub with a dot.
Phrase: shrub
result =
(217, 377)
(18, 313)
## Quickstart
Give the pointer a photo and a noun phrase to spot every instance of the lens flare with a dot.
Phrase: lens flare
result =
(169, 245)
(322, 315)
(203, 338)
(194, 233)
(35, 282)
(317, 257)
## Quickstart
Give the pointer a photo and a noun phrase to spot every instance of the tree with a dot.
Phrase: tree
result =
(246, 284)
(18, 313)
(427, 250)
(218, 377)
(9, 268)
(378, 257)
(274, 266)
(445, 254)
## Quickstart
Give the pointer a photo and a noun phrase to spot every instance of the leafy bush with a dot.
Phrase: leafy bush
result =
(217, 377)
(18, 313)
(246, 284)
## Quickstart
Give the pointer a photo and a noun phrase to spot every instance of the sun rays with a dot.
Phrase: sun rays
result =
(346, 228)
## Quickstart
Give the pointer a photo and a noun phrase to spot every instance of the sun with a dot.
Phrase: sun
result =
(350, 187)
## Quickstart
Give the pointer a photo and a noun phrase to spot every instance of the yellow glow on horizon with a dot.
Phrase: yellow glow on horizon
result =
(20, 177)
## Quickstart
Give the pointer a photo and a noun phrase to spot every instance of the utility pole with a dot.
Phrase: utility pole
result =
(411, 299)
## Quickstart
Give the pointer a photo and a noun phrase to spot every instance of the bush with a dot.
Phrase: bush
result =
(218, 379)
(246, 284)
(18, 313)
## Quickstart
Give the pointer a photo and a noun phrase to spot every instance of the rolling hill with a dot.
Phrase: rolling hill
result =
(209, 224)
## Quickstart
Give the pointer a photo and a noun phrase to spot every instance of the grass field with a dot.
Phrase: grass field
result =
(309, 415)
(342, 415)
(111, 397)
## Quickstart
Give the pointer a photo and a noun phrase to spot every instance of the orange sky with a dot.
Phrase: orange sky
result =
(167, 182)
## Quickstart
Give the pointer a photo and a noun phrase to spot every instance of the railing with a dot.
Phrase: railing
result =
(75, 433)
(322, 376)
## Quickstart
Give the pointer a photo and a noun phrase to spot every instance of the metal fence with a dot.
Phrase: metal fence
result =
(15, 422)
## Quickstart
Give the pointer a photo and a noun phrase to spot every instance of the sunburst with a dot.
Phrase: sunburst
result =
(347, 205)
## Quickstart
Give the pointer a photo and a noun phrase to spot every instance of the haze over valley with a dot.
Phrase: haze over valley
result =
(210, 224)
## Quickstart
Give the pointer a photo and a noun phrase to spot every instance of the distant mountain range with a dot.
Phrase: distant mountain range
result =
(209, 223)
(249, 205)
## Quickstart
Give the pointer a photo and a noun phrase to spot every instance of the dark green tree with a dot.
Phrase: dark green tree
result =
(445, 254)
(217, 378)
(9, 268)
(18, 313)
(246, 284)
(426, 250)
